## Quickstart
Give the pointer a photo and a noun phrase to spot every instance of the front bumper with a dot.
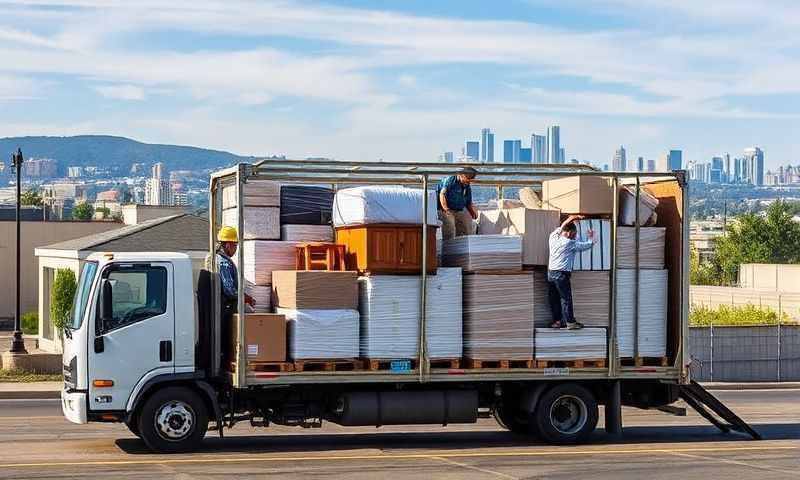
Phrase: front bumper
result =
(73, 404)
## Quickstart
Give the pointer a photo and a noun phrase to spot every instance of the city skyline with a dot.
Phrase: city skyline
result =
(351, 81)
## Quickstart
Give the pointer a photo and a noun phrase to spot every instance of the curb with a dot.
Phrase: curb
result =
(30, 395)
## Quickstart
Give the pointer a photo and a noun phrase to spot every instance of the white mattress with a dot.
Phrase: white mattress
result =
(561, 344)
(261, 257)
(652, 312)
(321, 334)
(307, 233)
(390, 315)
(369, 204)
(262, 223)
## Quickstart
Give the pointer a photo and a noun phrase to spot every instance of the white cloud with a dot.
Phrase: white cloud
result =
(121, 92)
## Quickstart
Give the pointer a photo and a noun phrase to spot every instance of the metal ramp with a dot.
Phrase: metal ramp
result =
(698, 398)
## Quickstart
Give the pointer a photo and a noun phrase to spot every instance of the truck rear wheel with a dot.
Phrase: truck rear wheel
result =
(513, 420)
(566, 414)
(173, 420)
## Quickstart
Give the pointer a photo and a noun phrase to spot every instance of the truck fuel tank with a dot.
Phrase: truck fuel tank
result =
(408, 407)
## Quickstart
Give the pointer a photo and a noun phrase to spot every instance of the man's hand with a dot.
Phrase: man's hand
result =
(249, 300)
(590, 234)
(473, 212)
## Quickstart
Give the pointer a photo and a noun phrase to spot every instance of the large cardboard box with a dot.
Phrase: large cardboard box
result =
(264, 337)
(578, 194)
(534, 226)
(317, 290)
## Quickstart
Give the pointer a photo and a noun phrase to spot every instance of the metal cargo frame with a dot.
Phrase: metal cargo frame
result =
(335, 173)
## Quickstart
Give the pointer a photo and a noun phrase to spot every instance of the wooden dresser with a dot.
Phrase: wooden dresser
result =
(386, 248)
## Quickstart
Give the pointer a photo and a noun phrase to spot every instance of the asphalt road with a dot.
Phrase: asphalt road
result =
(36, 442)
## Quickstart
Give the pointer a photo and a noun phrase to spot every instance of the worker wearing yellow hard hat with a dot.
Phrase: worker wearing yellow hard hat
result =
(229, 277)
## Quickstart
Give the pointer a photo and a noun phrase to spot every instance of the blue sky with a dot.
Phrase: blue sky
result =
(406, 80)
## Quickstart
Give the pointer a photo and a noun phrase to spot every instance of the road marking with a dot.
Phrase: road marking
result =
(538, 453)
(473, 467)
(738, 463)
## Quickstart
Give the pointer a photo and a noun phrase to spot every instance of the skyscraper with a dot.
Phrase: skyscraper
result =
(472, 151)
(737, 170)
(754, 158)
(511, 151)
(525, 155)
(157, 188)
(727, 167)
(619, 162)
(675, 160)
(487, 145)
(651, 165)
(553, 144)
(539, 148)
(562, 155)
(446, 157)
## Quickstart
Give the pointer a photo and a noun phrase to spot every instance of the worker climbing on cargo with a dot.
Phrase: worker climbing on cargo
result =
(563, 246)
(229, 276)
(456, 210)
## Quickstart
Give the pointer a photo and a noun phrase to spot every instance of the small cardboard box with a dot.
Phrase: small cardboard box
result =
(264, 337)
(533, 225)
(578, 195)
(315, 289)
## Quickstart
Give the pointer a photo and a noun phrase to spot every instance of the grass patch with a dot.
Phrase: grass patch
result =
(21, 376)
(744, 316)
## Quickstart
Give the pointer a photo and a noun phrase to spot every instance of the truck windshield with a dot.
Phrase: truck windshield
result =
(82, 295)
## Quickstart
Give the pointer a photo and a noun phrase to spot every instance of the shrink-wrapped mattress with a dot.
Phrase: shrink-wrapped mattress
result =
(371, 205)
(321, 334)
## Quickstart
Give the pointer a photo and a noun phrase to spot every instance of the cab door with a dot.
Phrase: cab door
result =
(137, 337)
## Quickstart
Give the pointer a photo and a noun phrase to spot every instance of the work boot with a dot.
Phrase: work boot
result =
(574, 326)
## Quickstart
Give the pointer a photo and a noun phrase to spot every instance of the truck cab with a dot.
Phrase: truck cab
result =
(131, 328)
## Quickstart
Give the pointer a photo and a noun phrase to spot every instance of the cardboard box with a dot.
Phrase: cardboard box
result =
(534, 226)
(578, 195)
(314, 289)
(264, 337)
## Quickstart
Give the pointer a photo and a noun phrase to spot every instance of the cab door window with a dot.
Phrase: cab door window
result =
(138, 293)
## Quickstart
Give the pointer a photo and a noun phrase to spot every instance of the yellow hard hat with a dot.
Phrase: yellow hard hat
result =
(227, 234)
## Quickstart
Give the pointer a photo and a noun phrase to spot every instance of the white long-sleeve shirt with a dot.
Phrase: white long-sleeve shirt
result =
(563, 249)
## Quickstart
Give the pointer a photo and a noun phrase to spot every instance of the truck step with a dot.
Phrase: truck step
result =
(472, 363)
(583, 363)
(328, 365)
(645, 362)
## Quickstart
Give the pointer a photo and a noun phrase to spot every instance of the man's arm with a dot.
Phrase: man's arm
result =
(443, 200)
(571, 219)
(473, 211)
(581, 246)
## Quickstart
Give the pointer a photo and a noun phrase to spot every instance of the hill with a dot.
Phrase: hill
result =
(109, 151)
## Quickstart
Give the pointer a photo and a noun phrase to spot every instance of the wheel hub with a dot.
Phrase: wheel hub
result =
(174, 420)
(568, 414)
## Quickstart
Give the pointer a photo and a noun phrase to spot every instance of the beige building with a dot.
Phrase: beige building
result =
(133, 214)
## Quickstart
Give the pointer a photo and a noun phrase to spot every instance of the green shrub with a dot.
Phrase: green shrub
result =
(30, 323)
(61, 297)
(746, 315)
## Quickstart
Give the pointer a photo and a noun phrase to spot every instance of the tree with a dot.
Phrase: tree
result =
(774, 238)
(31, 198)
(701, 273)
(104, 210)
(61, 297)
(82, 211)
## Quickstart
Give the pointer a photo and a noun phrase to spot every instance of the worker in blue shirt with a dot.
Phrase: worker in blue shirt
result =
(228, 274)
(456, 210)
(563, 247)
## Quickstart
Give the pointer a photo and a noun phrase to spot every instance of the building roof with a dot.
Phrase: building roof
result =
(179, 233)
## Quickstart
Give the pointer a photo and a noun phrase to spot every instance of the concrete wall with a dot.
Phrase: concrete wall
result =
(134, 214)
(34, 234)
(770, 276)
(745, 354)
(714, 297)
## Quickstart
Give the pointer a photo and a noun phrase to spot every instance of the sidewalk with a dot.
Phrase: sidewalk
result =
(43, 390)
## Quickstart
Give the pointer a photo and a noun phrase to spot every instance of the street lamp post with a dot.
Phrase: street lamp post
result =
(18, 344)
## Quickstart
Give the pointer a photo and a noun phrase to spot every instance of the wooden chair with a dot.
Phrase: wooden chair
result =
(320, 256)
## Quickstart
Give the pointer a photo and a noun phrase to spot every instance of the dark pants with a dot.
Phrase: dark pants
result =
(560, 293)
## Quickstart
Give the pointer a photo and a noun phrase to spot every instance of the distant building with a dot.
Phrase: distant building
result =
(562, 155)
(675, 160)
(538, 148)
(727, 175)
(754, 159)
(651, 165)
(74, 172)
(446, 157)
(472, 150)
(40, 168)
(157, 188)
(511, 150)
(553, 144)
(137, 169)
(487, 145)
(573, 160)
(108, 195)
(619, 163)
(525, 155)
(64, 190)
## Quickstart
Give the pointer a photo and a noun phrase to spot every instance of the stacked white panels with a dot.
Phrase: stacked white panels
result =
(257, 193)
(318, 334)
(260, 223)
(262, 294)
(377, 204)
(483, 252)
(262, 257)
(651, 247)
(599, 256)
(589, 343)
(390, 315)
(652, 312)
(590, 298)
(306, 233)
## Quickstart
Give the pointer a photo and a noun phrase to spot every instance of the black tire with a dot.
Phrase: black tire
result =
(515, 421)
(173, 420)
(566, 414)
(133, 426)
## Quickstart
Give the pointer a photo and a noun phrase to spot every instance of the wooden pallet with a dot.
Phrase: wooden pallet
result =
(375, 364)
(645, 362)
(584, 363)
(445, 363)
(328, 365)
(471, 363)
(496, 272)
(276, 367)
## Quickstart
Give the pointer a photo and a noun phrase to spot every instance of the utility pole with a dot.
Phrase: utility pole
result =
(18, 344)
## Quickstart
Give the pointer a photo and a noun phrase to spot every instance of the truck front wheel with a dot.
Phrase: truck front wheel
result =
(173, 420)
(566, 414)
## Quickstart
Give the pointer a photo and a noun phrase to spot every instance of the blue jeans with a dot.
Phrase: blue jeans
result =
(560, 293)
